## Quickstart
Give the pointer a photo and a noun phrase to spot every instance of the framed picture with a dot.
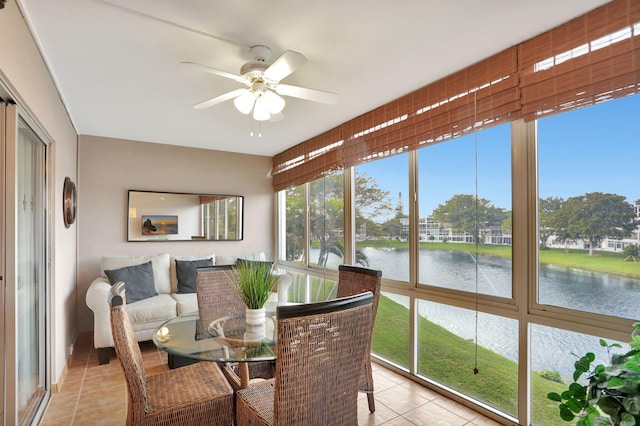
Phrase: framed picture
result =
(159, 225)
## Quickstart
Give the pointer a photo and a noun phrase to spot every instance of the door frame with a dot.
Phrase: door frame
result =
(12, 115)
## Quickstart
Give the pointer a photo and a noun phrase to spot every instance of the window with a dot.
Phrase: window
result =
(324, 226)
(294, 212)
(382, 216)
(553, 354)
(465, 213)
(448, 353)
(326, 221)
(391, 337)
(588, 228)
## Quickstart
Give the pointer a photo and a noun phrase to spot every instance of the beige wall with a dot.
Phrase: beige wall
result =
(108, 168)
(30, 86)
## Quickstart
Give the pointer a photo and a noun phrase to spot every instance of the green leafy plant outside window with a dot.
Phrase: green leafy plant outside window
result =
(612, 393)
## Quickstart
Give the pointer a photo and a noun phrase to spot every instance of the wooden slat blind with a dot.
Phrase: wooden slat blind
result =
(308, 160)
(476, 97)
(588, 60)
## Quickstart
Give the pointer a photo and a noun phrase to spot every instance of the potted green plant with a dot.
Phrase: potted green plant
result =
(611, 395)
(254, 282)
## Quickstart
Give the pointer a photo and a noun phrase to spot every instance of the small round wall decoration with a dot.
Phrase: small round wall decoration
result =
(69, 202)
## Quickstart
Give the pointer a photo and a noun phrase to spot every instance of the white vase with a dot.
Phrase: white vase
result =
(255, 319)
(255, 316)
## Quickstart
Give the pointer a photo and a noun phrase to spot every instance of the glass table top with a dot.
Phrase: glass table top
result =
(228, 339)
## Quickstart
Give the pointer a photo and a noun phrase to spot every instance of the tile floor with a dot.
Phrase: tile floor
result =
(95, 394)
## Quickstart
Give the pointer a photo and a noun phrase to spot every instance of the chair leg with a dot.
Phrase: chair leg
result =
(372, 403)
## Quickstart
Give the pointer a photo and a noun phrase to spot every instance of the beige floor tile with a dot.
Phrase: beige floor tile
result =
(432, 414)
(400, 399)
(457, 408)
(399, 421)
(61, 407)
(103, 382)
(424, 392)
(90, 401)
(484, 421)
(58, 421)
(382, 414)
(109, 415)
(75, 374)
(70, 388)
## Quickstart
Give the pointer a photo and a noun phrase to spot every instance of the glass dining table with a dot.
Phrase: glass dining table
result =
(227, 340)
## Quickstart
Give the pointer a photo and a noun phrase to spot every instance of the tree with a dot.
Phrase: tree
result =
(326, 213)
(595, 216)
(370, 201)
(393, 228)
(548, 218)
(469, 214)
(295, 222)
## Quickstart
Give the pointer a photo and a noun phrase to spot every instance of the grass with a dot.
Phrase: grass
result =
(448, 359)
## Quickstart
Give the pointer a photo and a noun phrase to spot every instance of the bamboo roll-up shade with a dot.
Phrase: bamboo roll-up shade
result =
(432, 128)
(308, 160)
(476, 97)
(590, 59)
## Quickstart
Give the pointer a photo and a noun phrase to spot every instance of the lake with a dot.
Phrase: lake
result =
(551, 348)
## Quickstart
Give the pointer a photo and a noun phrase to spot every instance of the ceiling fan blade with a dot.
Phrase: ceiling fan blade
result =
(308, 94)
(287, 63)
(238, 78)
(220, 99)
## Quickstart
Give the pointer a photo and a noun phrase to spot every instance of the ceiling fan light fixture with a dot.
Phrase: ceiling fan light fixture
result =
(261, 109)
(274, 102)
(244, 103)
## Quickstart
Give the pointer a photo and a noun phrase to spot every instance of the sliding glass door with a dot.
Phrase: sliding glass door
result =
(25, 274)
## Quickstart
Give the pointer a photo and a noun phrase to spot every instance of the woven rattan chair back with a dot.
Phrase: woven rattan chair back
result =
(193, 395)
(354, 280)
(216, 298)
(320, 356)
(129, 355)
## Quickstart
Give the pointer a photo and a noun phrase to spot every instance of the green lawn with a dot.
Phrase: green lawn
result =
(449, 359)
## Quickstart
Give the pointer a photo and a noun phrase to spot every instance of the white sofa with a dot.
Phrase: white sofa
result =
(148, 314)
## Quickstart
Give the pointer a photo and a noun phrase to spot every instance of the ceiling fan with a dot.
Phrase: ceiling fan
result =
(262, 94)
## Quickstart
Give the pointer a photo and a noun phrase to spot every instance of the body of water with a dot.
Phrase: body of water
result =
(551, 348)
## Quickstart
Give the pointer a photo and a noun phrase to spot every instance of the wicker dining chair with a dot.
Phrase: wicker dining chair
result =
(217, 299)
(193, 395)
(354, 280)
(320, 355)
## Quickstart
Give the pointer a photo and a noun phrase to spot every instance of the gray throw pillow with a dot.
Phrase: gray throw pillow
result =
(138, 281)
(186, 273)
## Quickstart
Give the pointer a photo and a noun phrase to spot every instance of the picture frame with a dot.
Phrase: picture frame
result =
(159, 225)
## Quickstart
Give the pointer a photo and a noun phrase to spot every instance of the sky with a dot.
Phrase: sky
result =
(592, 149)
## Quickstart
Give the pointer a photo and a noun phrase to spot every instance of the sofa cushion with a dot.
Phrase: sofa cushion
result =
(160, 307)
(186, 303)
(138, 281)
(186, 273)
(173, 276)
(160, 264)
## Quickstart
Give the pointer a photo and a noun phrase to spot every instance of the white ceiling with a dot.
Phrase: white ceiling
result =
(117, 62)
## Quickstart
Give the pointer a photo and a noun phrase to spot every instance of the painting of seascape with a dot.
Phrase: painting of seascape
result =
(159, 225)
